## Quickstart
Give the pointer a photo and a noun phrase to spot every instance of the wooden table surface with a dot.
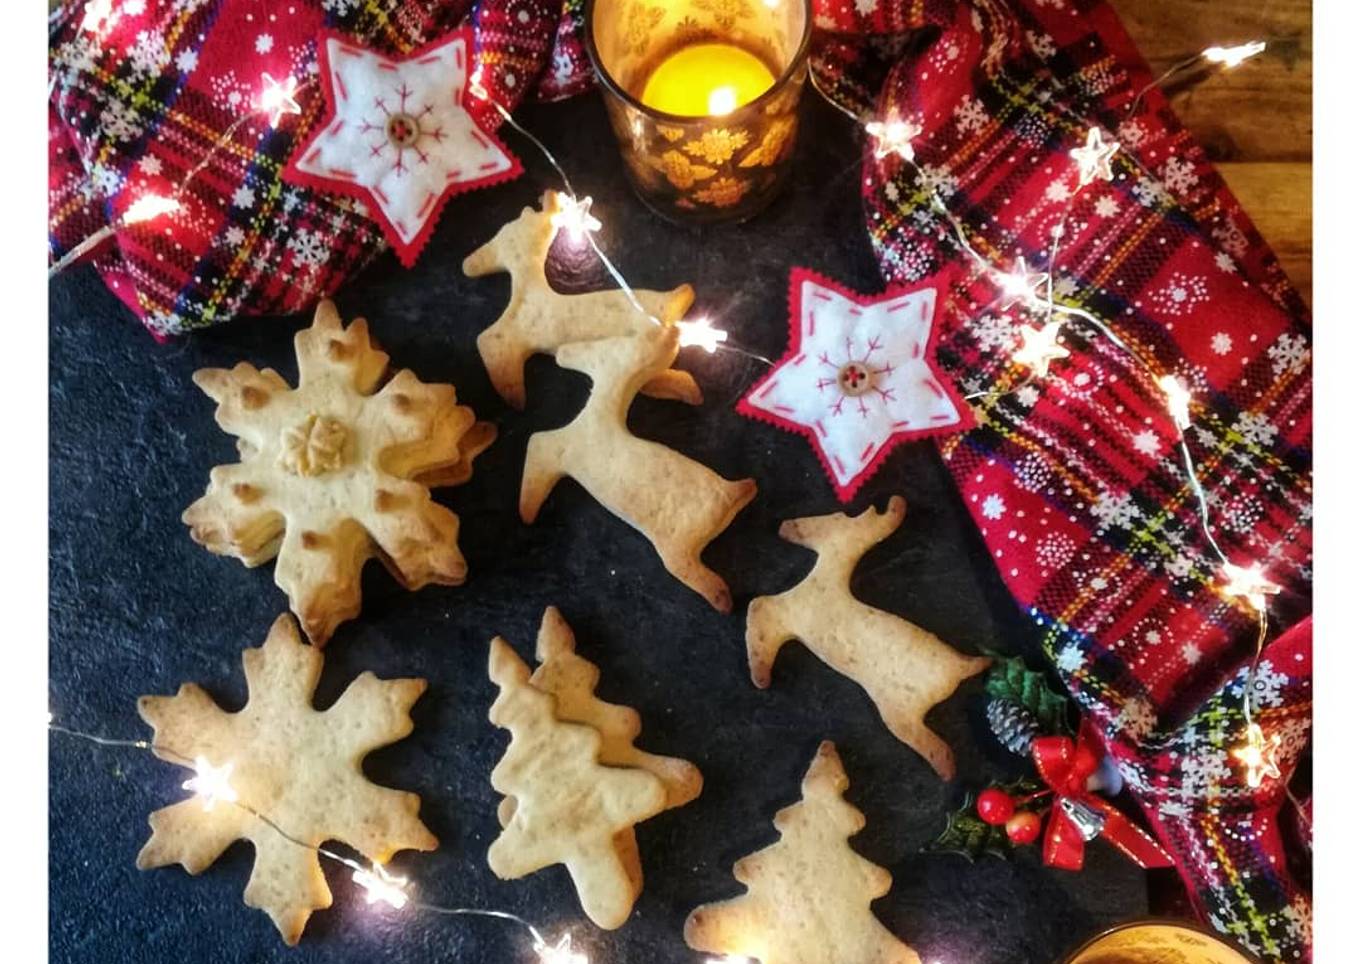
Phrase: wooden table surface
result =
(1256, 121)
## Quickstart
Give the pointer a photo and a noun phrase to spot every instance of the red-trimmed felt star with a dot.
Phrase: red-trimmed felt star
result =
(860, 375)
(399, 136)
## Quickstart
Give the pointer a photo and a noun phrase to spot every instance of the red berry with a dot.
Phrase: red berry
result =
(1023, 827)
(995, 806)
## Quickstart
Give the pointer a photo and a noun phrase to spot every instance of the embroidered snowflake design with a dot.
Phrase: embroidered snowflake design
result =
(859, 377)
(1221, 343)
(234, 236)
(1224, 262)
(1032, 472)
(1147, 442)
(309, 248)
(150, 165)
(1242, 513)
(1290, 353)
(1181, 294)
(993, 507)
(994, 332)
(340, 7)
(866, 7)
(1107, 206)
(148, 55)
(1042, 44)
(1190, 653)
(1054, 549)
(1266, 686)
(1070, 658)
(1116, 511)
(1151, 194)
(1256, 428)
(243, 197)
(186, 61)
(1027, 395)
(938, 179)
(399, 134)
(1179, 175)
(970, 115)
(1136, 718)
(120, 121)
(264, 43)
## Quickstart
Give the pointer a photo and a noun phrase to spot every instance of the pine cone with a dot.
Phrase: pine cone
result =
(1012, 725)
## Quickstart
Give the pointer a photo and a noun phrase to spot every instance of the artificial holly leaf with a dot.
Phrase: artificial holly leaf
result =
(967, 835)
(1010, 679)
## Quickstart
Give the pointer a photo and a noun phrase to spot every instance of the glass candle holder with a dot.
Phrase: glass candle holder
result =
(703, 97)
(1160, 942)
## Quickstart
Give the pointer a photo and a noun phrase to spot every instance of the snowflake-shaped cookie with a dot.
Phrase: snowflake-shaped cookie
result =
(860, 375)
(399, 135)
(300, 768)
(332, 473)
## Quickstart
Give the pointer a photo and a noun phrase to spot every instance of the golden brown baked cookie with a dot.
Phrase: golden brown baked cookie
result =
(300, 768)
(335, 472)
(904, 669)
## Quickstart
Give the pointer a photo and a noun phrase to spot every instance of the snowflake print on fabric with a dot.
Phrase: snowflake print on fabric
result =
(1181, 294)
(993, 507)
(1256, 428)
(1289, 353)
(859, 376)
(970, 115)
(1179, 175)
(1221, 343)
(398, 133)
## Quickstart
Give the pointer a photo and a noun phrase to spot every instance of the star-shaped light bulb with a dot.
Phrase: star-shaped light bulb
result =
(700, 333)
(378, 885)
(1232, 56)
(1177, 400)
(1039, 348)
(1258, 755)
(1022, 284)
(573, 216)
(893, 136)
(1093, 159)
(149, 206)
(1248, 582)
(276, 99)
(212, 784)
(560, 953)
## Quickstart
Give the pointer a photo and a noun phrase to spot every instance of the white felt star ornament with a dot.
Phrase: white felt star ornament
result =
(1093, 160)
(1039, 348)
(399, 136)
(859, 376)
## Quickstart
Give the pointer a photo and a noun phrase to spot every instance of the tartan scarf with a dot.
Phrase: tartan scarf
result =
(1073, 481)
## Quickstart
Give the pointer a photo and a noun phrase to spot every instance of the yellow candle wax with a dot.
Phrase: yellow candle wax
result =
(706, 79)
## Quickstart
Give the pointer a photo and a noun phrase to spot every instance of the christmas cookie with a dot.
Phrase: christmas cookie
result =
(807, 898)
(860, 375)
(569, 807)
(286, 761)
(400, 134)
(904, 669)
(676, 502)
(335, 472)
(540, 320)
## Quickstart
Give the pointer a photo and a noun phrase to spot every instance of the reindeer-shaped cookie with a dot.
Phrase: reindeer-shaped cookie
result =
(539, 319)
(904, 669)
(676, 502)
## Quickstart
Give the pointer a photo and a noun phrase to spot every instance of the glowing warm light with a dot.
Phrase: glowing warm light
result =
(277, 99)
(560, 953)
(706, 79)
(211, 783)
(893, 136)
(1023, 284)
(728, 959)
(378, 885)
(1258, 755)
(149, 206)
(96, 12)
(1093, 159)
(475, 87)
(722, 100)
(700, 333)
(1249, 582)
(573, 216)
(1039, 348)
(1232, 56)
(1177, 400)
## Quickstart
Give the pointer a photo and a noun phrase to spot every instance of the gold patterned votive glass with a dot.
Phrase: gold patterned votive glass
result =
(703, 97)
(1160, 942)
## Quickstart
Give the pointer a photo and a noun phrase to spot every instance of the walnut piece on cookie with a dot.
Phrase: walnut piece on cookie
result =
(299, 767)
(539, 319)
(904, 669)
(335, 472)
(570, 808)
(808, 894)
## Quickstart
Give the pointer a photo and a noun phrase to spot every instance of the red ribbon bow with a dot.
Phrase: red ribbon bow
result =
(1079, 815)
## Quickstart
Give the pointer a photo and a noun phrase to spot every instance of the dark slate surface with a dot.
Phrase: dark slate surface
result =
(137, 608)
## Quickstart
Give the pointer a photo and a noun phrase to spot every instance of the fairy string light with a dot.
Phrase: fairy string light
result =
(211, 784)
(1039, 348)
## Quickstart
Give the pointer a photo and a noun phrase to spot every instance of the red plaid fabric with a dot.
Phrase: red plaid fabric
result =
(1074, 481)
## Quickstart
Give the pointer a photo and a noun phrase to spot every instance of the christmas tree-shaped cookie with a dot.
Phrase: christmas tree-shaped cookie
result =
(904, 669)
(808, 895)
(569, 808)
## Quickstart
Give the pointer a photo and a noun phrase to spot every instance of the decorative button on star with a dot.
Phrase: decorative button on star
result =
(859, 377)
(399, 136)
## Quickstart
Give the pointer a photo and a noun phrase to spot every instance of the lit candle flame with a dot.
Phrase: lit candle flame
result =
(378, 885)
(1232, 56)
(211, 783)
(722, 100)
